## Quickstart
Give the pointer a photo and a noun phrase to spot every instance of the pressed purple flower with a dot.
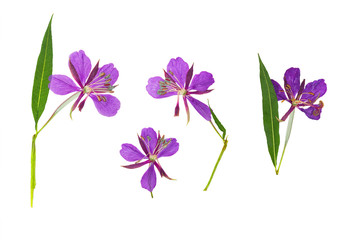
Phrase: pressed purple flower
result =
(154, 146)
(178, 81)
(301, 96)
(93, 83)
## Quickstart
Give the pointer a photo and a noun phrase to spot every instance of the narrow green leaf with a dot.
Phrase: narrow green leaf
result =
(270, 113)
(44, 68)
(218, 123)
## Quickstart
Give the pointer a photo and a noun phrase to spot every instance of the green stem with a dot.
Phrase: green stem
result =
(217, 163)
(151, 194)
(216, 129)
(33, 154)
(289, 127)
(33, 165)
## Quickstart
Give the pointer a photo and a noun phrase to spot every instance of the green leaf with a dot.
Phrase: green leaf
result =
(270, 113)
(44, 68)
(218, 123)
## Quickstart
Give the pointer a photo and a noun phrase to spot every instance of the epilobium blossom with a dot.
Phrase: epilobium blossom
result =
(154, 146)
(178, 82)
(301, 96)
(92, 84)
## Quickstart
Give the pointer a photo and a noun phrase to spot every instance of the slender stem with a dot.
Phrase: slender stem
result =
(151, 194)
(216, 129)
(65, 103)
(217, 163)
(33, 153)
(33, 165)
(289, 127)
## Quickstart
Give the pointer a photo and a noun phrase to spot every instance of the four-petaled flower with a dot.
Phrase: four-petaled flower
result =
(178, 82)
(92, 84)
(301, 96)
(154, 147)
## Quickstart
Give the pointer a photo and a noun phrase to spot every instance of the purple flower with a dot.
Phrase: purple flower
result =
(154, 146)
(178, 82)
(92, 84)
(301, 96)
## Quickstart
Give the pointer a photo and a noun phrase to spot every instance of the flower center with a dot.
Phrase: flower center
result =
(87, 89)
(182, 92)
(153, 158)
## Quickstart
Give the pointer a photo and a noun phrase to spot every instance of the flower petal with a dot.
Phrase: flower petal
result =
(149, 178)
(131, 153)
(314, 90)
(201, 108)
(110, 73)
(279, 91)
(81, 64)
(62, 85)
(136, 165)
(108, 105)
(170, 149)
(150, 138)
(156, 90)
(313, 112)
(202, 81)
(292, 82)
(178, 69)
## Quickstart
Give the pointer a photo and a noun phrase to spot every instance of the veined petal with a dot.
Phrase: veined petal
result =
(158, 88)
(136, 165)
(150, 138)
(292, 82)
(202, 81)
(314, 90)
(178, 69)
(313, 112)
(201, 108)
(149, 178)
(131, 153)
(62, 85)
(170, 149)
(108, 73)
(81, 64)
(106, 105)
(279, 91)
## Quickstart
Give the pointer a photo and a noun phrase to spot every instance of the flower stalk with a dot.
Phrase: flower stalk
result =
(289, 127)
(225, 141)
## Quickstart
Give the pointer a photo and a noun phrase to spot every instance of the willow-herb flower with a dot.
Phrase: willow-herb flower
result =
(92, 84)
(301, 96)
(154, 146)
(178, 82)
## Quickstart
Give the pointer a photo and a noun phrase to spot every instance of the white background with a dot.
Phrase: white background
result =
(83, 193)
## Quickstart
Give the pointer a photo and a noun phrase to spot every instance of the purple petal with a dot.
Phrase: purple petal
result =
(109, 72)
(202, 81)
(62, 85)
(149, 178)
(155, 90)
(292, 82)
(171, 148)
(279, 91)
(136, 165)
(107, 105)
(161, 171)
(81, 64)
(93, 73)
(201, 108)
(314, 90)
(189, 77)
(178, 69)
(313, 112)
(131, 153)
(150, 138)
